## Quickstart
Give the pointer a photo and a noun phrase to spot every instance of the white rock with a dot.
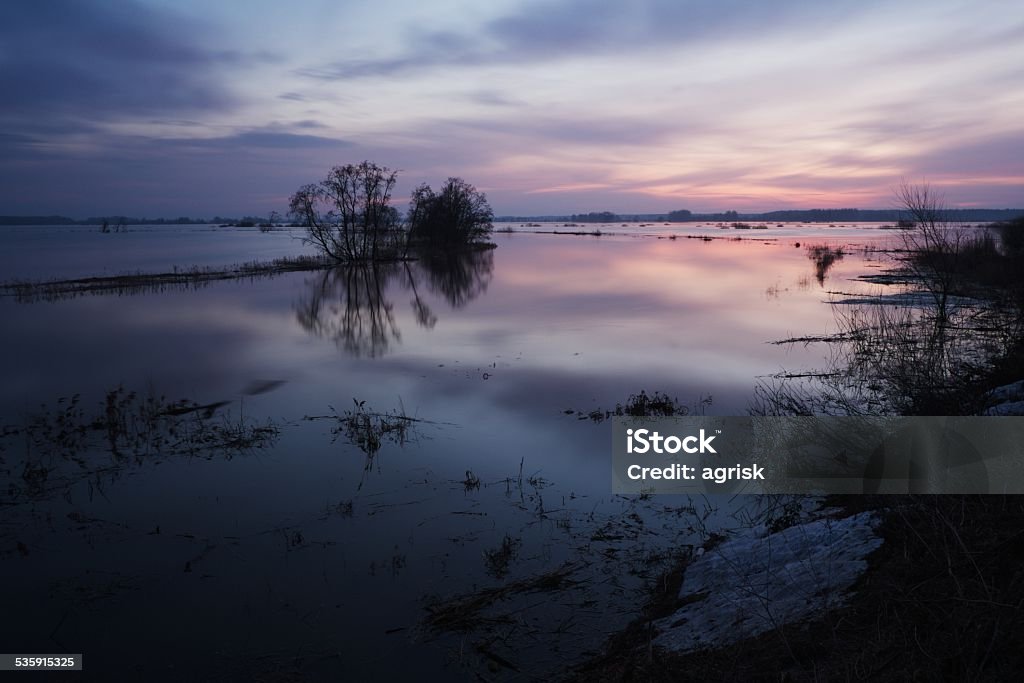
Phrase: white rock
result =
(748, 585)
(1008, 408)
(1008, 392)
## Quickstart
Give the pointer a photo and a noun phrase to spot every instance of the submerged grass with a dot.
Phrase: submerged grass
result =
(466, 612)
(643, 404)
(368, 430)
(61, 444)
(497, 560)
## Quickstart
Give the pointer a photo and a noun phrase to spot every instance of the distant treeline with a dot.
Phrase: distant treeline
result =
(129, 220)
(680, 216)
(791, 216)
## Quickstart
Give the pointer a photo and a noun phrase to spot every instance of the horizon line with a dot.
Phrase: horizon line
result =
(8, 219)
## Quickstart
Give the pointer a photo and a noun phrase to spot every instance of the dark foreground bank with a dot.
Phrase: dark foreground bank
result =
(941, 600)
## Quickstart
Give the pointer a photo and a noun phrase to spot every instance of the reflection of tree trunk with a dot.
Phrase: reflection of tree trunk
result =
(307, 311)
(424, 316)
(349, 304)
(368, 322)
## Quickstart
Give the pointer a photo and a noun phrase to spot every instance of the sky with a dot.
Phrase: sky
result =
(168, 108)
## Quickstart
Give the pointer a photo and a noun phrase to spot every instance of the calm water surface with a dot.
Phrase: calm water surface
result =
(309, 549)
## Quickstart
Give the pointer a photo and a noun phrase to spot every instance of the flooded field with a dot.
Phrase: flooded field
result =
(374, 472)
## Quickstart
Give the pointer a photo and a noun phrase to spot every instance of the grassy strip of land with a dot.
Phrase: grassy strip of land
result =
(28, 291)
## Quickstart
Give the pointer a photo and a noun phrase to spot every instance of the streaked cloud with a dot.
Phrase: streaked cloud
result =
(89, 60)
(550, 107)
(546, 31)
(257, 139)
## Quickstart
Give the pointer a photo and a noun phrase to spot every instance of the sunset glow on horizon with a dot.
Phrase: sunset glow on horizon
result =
(161, 108)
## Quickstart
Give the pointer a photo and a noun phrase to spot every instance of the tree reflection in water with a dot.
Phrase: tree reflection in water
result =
(351, 306)
(458, 278)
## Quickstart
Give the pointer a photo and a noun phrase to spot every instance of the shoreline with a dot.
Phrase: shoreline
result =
(939, 598)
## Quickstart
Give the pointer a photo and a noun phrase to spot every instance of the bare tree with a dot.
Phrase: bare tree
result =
(925, 206)
(933, 244)
(348, 216)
